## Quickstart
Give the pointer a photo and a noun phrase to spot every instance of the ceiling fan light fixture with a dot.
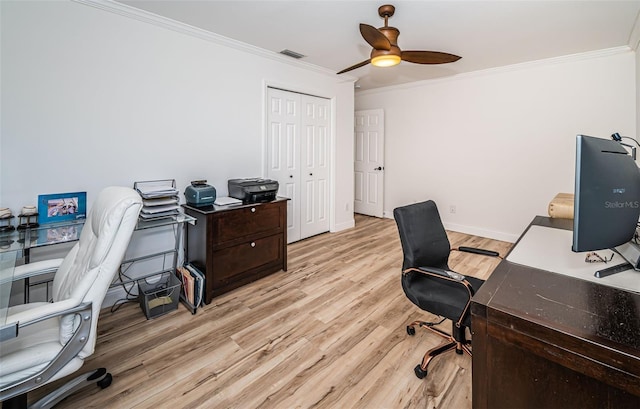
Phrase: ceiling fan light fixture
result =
(385, 51)
(386, 60)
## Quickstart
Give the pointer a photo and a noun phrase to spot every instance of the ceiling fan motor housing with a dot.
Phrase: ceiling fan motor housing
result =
(391, 57)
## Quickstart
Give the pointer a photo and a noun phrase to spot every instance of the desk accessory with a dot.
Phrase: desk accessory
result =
(561, 206)
(5, 220)
(159, 297)
(28, 220)
(60, 207)
(199, 193)
(227, 201)
(159, 198)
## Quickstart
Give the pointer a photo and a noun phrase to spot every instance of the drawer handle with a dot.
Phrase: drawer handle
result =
(253, 210)
(253, 244)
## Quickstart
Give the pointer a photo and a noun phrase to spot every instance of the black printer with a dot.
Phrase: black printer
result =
(253, 190)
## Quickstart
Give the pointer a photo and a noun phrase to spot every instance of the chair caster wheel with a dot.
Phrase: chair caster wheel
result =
(420, 373)
(411, 330)
(105, 382)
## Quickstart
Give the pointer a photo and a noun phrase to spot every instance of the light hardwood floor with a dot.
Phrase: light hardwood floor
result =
(328, 333)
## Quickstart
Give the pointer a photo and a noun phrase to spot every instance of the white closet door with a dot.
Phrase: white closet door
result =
(314, 146)
(298, 158)
(284, 153)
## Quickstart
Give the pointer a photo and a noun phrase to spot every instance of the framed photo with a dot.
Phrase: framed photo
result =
(62, 207)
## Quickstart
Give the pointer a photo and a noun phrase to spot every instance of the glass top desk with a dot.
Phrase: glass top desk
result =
(16, 244)
(43, 235)
(19, 243)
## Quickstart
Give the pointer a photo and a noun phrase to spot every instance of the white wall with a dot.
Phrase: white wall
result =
(637, 53)
(91, 98)
(498, 145)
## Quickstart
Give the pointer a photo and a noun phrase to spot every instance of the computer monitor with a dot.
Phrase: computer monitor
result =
(606, 196)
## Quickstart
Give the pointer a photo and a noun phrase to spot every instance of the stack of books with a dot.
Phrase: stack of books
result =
(192, 284)
(159, 199)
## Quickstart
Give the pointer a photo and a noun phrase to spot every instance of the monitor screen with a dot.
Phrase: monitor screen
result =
(606, 196)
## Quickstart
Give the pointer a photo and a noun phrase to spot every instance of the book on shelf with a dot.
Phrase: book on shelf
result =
(198, 284)
(193, 284)
(188, 284)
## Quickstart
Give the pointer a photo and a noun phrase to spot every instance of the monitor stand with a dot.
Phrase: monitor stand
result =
(605, 272)
(630, 252)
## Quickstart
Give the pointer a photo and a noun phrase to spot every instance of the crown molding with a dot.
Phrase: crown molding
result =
(183, 28)
(507, 68)
(634, 37)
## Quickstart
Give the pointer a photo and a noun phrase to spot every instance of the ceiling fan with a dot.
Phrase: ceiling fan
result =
(386, 52)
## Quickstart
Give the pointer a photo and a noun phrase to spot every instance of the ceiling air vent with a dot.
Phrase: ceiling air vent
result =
(292, 54)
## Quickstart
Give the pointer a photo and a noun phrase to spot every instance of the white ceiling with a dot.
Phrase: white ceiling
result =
(486, 34)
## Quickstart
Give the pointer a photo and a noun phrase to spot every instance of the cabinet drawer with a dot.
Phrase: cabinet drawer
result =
(247, 221)
(232, 262)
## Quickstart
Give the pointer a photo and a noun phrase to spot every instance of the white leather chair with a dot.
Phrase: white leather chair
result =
(54, 338)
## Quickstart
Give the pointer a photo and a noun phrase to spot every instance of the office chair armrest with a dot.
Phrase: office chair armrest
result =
(43, 312)
(445, 273)
(37, 268)
(69, 351)
(476, 250)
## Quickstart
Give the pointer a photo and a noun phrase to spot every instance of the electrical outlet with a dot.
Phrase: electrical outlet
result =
(452, 209)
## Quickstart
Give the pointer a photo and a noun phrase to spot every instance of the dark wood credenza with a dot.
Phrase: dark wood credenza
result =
(547, 340)
(234, 245)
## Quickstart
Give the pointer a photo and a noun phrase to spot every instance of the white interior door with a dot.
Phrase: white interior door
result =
(283, 153)
(298, 138)
(314, 147)
(369, 162)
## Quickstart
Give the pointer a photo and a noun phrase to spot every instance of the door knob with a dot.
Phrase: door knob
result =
(310, 174)
(378, 168)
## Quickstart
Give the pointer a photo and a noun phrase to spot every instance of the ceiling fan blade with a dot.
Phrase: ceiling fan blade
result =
(374, 37)
(358, 65)
(429, 57)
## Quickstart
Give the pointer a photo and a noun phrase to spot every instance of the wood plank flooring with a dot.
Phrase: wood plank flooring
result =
(328, 333)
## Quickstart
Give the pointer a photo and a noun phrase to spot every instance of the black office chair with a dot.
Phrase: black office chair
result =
(428, 281)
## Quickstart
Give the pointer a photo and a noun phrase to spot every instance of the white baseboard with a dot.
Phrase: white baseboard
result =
(344, 226)
(490, 234)
(476, 231)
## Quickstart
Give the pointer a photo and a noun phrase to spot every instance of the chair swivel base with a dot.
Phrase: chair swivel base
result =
(451, 344)
(99, 376)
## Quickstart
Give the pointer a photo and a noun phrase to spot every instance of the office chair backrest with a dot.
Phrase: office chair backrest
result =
(89, 268)
(422, 235)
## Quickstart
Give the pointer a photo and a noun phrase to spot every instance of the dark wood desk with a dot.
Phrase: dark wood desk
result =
(545, 340)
